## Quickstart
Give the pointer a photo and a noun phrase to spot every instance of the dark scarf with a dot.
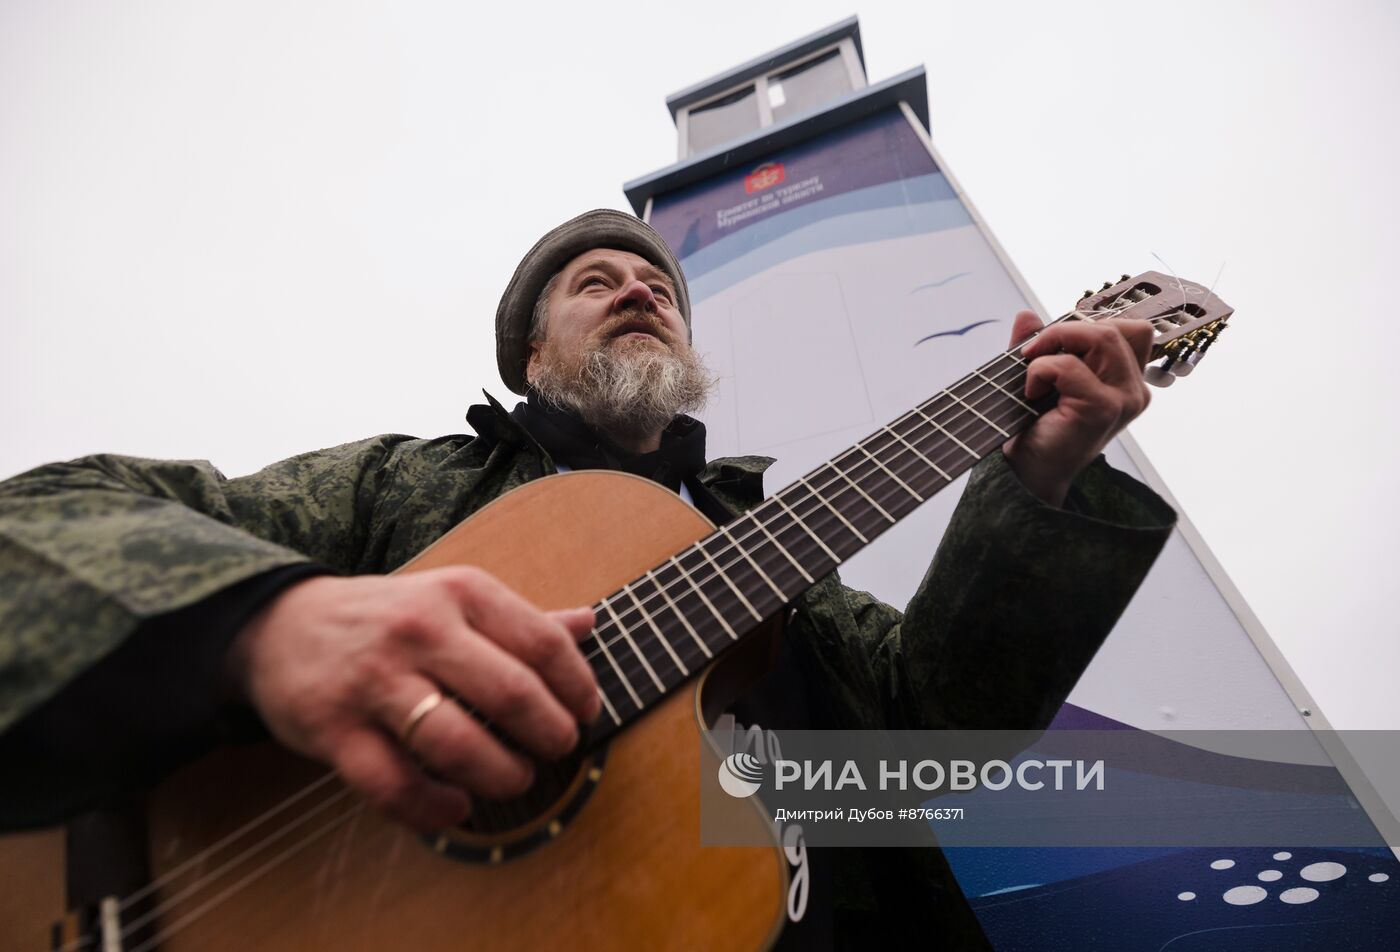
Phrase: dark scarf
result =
(573, 443)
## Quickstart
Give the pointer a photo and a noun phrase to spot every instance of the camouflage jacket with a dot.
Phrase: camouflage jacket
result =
(1016, 602)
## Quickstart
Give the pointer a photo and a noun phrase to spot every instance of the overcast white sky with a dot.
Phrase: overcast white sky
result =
(237, 231)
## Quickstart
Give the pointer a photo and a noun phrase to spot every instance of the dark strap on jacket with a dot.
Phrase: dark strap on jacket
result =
(569, 440)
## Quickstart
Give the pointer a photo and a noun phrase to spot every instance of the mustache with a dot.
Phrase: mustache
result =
(629, 321)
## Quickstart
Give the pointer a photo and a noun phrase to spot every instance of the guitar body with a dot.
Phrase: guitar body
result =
(614, 862)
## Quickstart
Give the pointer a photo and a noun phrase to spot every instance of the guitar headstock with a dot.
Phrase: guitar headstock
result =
(1186, 316)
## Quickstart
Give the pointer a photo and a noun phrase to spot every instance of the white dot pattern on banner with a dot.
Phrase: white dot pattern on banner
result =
(1245, 895)
(1322, 872)
(1222, 864)
(1378, 877)
(1298, 895)
(1283, 856)
(1186, 896)
(1269, 875)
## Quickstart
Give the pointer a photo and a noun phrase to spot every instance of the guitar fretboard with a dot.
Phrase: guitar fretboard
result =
(665, 627)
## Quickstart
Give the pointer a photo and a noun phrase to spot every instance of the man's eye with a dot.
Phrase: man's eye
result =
(661, 291)
(593, 280)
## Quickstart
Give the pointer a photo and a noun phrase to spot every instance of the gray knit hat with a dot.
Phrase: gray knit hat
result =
(600, 228)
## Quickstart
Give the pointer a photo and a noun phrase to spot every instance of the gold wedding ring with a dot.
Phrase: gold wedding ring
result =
(415, 717)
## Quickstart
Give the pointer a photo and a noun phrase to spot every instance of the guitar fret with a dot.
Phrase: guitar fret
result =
(778, 498)
(758, 616)
(906, 486)
(719, 616)
(609, 681)
(975, 410)
(607, 704)
(931, 464)
(878, 508)
(622, 678)
(932, 422)
(659, 636)
(635, 650)
(680, 616)
(724, 531)
(1006, 392)
(758, 521)
(834, 511)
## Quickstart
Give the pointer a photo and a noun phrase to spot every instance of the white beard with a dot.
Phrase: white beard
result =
(626, 387)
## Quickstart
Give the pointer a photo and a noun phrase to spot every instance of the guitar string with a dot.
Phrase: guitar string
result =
(188, 892)
(203, 882)
(206, 880)
(828, 485)
(909, 446)
(820, 514)
(182, 868)
(819, 517)
(895, 499)
(208, 905)
(955, 419)
(1179, 286)
(211, 880)
(819, 508)
(822, 509)
(248, 878)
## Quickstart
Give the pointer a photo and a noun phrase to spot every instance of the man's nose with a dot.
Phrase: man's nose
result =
(635, 293)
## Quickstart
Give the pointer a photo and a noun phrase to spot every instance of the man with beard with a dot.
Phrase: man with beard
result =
(152, 609)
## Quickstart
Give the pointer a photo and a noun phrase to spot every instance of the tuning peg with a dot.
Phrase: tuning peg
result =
(1087, 293)
(1184, 366)
(1123, 277)
(1196, 348)
(1106, 285)
(1180, 363)
(1158, 377)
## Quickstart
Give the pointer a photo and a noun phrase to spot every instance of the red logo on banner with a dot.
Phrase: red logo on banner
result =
(765, 176)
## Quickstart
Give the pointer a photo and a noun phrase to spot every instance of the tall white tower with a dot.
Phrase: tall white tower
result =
(839, 275)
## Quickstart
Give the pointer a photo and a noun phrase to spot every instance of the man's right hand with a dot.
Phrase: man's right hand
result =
(336, 666)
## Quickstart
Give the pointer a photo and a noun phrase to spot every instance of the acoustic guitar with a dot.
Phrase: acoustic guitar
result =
(254, 848)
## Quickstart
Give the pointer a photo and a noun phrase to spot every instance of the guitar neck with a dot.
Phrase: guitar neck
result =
(662, 628)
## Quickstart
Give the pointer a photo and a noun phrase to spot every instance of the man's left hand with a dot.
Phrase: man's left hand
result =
(1097, 371)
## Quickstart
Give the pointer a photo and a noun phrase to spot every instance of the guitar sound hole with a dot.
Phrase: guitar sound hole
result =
(501, 830)
(552, 782)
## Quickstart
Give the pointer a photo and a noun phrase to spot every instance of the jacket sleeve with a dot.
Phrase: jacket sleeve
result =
(1019, 597)
(91, 550)
(157, 700)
